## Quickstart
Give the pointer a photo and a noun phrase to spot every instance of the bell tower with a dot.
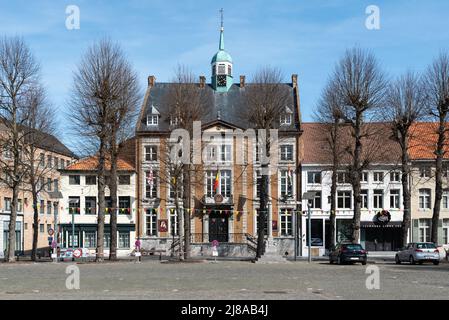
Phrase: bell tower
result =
(222, 65)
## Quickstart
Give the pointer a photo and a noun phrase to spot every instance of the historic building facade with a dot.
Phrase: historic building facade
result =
(224, 197)
(51, 156)
(381, 193)
(422, 185)
(79, 205)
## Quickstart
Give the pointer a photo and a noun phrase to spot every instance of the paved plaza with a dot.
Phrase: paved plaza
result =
(222, 280)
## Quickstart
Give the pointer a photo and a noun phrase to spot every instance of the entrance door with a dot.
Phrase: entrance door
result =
(218, 228)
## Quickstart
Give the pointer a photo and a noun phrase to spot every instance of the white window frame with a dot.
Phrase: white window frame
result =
(287, 152)
(395, 196)
(378, 176)
(285, 119)
(425, 199)
(150, 217)
(152, 120)
(286, 222)
(378, 196)
(153, 153)
(343, 194)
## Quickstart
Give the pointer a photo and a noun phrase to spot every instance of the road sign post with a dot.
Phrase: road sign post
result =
(309, 196)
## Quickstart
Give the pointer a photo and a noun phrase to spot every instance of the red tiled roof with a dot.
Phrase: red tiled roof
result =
(423, 140)
(125, 162)
(378, 145)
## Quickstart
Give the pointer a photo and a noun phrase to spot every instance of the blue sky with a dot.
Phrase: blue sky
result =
(298, 36)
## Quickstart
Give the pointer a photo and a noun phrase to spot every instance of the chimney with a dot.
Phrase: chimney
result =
(202, 81)
(294, 80)
(151, 81)
(242, 81)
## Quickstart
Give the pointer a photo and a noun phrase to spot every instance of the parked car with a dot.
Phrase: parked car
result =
(418, 252)
(348, 253)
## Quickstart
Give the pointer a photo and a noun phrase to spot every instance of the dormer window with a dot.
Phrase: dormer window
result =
(152, 120)
(174, 121)
(285, 119)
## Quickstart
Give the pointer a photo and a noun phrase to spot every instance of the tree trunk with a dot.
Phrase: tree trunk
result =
(406, 220)
(101, 202)
(35, 225)
(355, 179)
(180, 226)
(10, 254)
(186, 205)
(263, 210)
(438, 179)
(332, 218)
(113, 194)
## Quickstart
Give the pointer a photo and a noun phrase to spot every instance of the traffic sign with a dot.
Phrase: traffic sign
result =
(77, 253)
(51, 232)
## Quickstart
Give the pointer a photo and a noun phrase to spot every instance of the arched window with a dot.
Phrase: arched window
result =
(229, 70)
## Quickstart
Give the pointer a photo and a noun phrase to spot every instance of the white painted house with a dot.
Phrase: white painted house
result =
(381, 191)
(79, 202)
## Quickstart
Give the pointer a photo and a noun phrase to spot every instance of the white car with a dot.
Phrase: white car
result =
(418, 252)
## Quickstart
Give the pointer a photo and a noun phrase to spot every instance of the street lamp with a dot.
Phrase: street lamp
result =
(309, 196)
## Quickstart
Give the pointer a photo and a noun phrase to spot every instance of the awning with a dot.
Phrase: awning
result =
(370, 224)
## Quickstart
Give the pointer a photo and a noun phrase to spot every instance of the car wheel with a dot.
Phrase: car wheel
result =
(396, 259)
(412, 260)
(420, 262)
(363, 263)
(331, 261)
(436, 262)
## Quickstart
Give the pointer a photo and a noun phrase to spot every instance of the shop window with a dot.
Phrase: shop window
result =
(317, 237)
(90, 239)
(123, 240)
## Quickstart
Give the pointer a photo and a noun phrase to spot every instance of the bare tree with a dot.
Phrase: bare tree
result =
(95, 94)
(404, 106)
(18, 73)
(330, 113)
(122, 114)
(186, 103)
(41, 121)
(437, 88)
(360, 87)
(265, 98)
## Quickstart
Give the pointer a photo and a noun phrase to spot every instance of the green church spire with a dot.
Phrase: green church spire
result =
(222, 65)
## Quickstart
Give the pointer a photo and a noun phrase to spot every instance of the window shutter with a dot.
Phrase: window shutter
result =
(415, 229)
(440, 231)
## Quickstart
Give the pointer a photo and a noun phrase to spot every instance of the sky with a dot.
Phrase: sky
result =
(301, 37)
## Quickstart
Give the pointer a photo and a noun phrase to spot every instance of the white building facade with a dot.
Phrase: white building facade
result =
(79, 202)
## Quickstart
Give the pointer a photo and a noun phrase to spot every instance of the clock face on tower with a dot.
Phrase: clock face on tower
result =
(221, 80)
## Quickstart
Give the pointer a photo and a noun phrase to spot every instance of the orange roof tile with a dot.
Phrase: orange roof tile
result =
(125, 162)
(423, 140)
